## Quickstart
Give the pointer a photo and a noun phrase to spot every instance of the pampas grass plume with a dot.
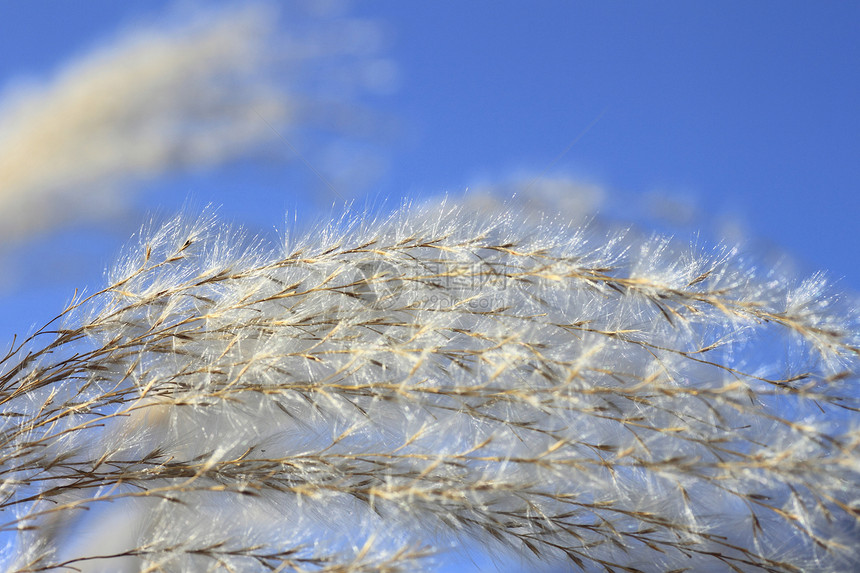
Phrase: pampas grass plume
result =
(382, 392)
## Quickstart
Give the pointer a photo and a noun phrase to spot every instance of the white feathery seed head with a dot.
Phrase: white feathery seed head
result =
(196, 89)
(381, 392)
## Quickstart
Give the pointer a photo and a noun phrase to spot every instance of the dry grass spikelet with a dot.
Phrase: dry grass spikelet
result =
(377, 393)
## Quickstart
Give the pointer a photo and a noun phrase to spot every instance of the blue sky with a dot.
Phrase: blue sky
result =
(749, 107)
(748, 111)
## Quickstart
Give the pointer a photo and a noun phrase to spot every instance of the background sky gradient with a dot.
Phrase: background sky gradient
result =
(739, 117)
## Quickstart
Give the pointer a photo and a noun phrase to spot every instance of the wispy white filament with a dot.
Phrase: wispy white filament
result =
(156, 98)
(378, 393)
(178, 93)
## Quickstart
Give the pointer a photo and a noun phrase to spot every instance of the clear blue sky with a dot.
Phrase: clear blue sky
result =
(750, 108)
